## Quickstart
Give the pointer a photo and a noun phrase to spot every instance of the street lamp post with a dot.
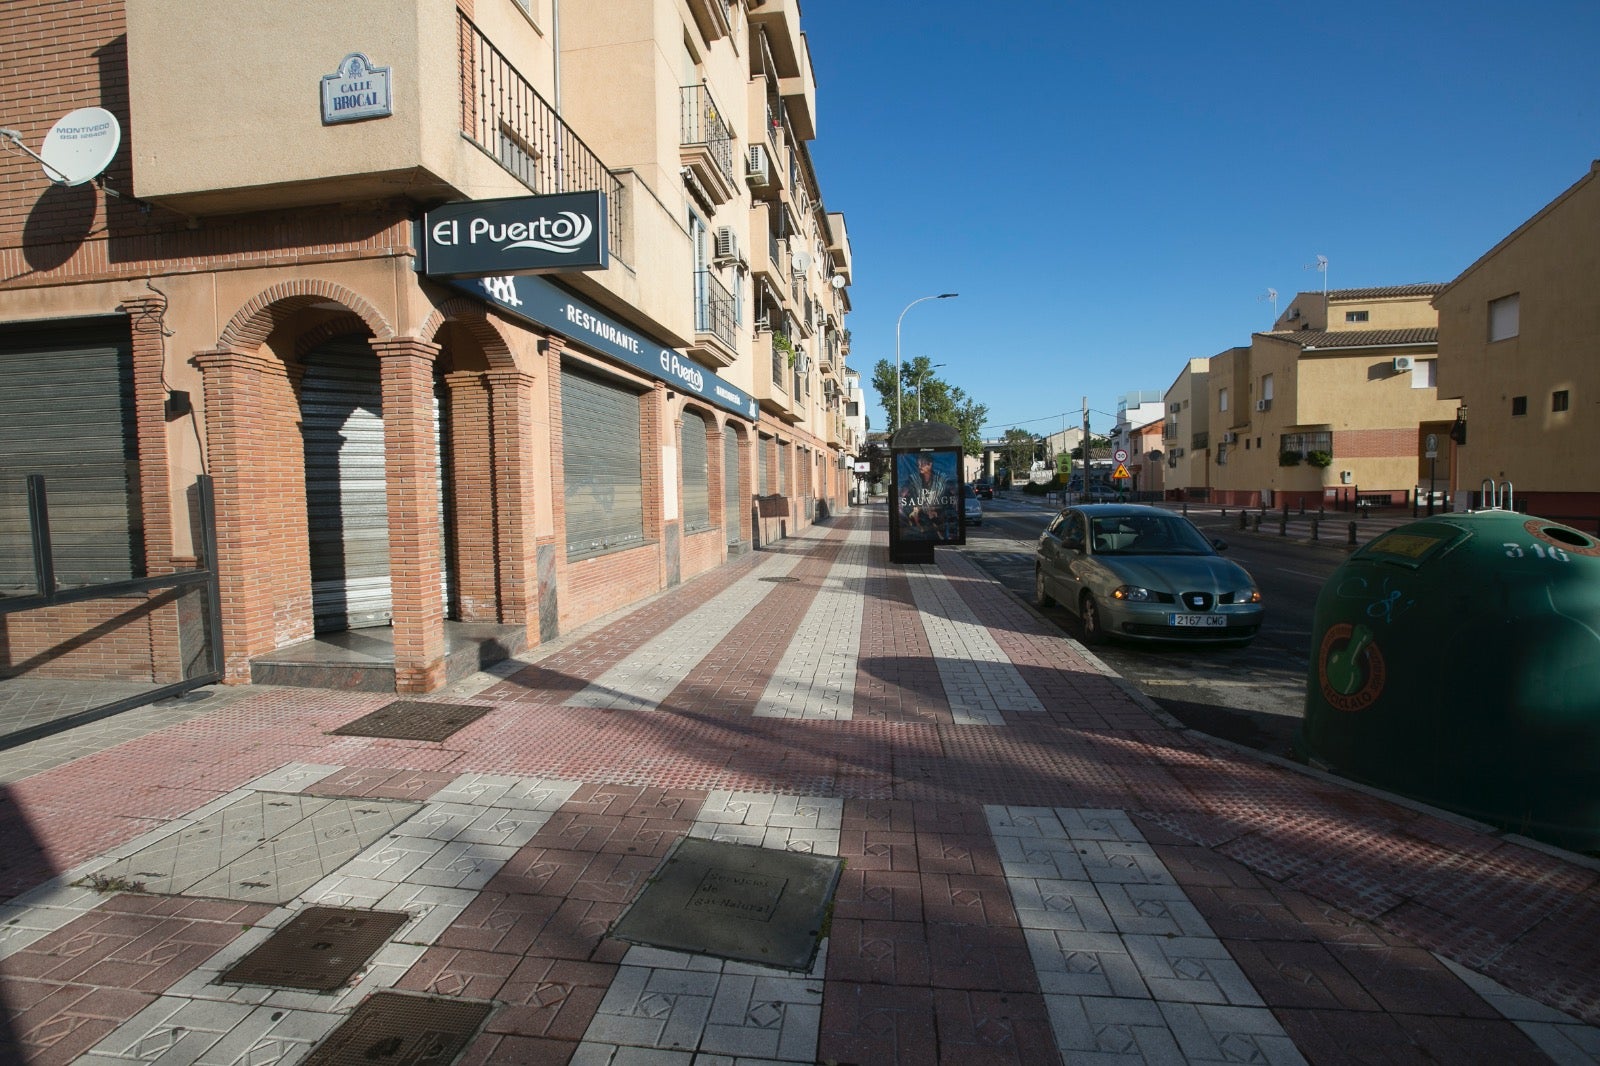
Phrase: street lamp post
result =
(919, 378)
(898, 390)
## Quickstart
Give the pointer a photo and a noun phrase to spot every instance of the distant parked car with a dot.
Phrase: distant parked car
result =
(983, 488)
(971, 506)
(1143, 573)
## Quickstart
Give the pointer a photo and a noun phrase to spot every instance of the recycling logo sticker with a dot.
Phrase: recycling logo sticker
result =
(1350, 667)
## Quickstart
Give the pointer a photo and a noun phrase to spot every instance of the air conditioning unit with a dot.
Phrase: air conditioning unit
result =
(727, 245)
(1174, 408)
(1402, 362)
(1230, 438)
(758, 166)
(1263, 405)
(1176, 452)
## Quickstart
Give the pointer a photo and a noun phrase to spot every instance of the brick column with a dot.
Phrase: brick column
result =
(416, 546)
(254, 453)
(473, 498)
(512, 395)
(155, 478)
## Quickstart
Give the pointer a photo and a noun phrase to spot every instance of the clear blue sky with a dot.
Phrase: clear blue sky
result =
(1113, 187)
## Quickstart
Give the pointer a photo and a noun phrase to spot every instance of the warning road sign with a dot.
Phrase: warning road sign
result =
(1120, 473)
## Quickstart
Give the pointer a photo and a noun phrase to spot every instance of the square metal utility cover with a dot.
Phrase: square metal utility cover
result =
(735, 901)
(319, 949)
(414, 720)
(391, 1029)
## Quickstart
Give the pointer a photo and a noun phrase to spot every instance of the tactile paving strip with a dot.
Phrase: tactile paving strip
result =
(414, 720)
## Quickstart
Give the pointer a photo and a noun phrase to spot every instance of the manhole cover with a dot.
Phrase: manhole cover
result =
(735, 901)
(320, 948)
(391, 1029)
(411, 720)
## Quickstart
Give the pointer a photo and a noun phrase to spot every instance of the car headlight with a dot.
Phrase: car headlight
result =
(1247, 596)
(1133, 594)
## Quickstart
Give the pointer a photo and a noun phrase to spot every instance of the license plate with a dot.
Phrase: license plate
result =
(1203, 621)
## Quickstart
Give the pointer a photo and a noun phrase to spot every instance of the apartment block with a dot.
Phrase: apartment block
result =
(473, 321)
(1521, 332)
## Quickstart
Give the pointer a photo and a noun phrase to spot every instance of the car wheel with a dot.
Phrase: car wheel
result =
(1041, 596)
(1089, 613)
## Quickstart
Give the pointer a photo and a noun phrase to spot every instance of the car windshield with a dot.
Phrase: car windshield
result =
(1142, 534)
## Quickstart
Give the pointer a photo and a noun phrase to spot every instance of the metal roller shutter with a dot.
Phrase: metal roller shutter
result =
(696, 475)
(347, 506)
(66, 412)
(733, 516)
(604, 472)
(783, 469)
(347, 487)
(763, 446)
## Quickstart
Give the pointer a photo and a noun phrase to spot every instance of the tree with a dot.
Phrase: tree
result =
(1018, 448)
(938, 400)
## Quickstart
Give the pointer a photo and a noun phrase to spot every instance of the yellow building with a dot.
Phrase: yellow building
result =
(1335, 405)
(1520, 329)
(1185, 432)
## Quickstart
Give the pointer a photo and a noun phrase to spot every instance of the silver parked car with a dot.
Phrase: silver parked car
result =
(971, 507)
(1142, 573)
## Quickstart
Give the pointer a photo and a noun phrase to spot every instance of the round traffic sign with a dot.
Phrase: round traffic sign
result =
(1120, 455)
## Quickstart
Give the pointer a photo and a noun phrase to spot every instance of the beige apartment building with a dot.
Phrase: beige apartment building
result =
(1521, 329)
(1186, 432)
(1337, 404)
(268, 321)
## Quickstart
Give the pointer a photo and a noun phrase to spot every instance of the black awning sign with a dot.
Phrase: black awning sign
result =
(521, 235)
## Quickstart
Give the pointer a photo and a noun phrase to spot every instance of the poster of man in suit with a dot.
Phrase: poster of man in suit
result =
(928, 496)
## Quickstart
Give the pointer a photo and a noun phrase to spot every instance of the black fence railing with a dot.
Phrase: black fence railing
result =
(506, 117)
(193, 596)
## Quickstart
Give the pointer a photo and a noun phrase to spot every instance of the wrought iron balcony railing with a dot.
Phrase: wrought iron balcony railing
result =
(511, 123)
(713, 309)
(703, 124)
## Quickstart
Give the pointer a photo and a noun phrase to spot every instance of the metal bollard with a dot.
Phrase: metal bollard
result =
(1352, 534)
(1283, 526)
(1313, 529)
(1302, 506)
(1186, 508)
(1258, 523)
(1243, 518)
(1224, 512)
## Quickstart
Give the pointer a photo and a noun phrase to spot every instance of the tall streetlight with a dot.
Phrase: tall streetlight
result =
(924, 373)
(898, 389)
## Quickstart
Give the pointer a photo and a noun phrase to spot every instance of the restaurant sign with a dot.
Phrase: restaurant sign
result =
(518, 235)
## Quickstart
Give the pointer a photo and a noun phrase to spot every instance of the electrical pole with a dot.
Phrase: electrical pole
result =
(1086, 447)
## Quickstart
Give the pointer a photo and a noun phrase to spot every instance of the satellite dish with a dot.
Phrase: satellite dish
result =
(80, 146)
(838, 281)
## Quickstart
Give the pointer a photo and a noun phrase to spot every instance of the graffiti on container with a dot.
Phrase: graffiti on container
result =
(1384, 604)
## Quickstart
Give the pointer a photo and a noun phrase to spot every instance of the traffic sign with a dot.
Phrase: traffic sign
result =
(1120, 473)
(1121, 456)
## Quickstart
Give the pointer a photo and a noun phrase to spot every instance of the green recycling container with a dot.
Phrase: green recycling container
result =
(1456, 660)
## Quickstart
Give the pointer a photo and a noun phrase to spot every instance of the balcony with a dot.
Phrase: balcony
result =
(707, 144)
(713, 17)
(838, 241)
(716, 340)
(771, 389)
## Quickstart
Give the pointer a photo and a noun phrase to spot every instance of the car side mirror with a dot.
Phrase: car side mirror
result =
(1219, 544)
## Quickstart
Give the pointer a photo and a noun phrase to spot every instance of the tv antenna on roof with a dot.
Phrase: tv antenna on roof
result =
(1271, 294)
(78, 147)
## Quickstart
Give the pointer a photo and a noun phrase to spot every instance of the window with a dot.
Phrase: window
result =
(1559, 400)
(1504, 317)
(852, 409)
(1519, 405)
(1425, 374)
(1355, 316)
(1266, 386)
(1222, 399)
(1304, 443)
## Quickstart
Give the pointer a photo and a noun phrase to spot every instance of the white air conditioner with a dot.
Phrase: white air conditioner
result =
(758, 167)
(727, 245)
(1177, 452)
(1174, 408)
(1263, 405)
(1229, 438)
(1402, 362)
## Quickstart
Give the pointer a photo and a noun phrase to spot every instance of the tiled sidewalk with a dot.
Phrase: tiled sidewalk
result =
(1037, 867)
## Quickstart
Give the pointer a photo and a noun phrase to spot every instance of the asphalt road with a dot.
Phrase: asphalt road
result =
(1253, 696)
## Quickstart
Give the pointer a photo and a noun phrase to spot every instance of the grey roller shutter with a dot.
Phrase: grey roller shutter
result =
(783, 469)
(696, 475)
(66, 412)
(347, 506)
(604, 472)
(763, 446)
(733, 515)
